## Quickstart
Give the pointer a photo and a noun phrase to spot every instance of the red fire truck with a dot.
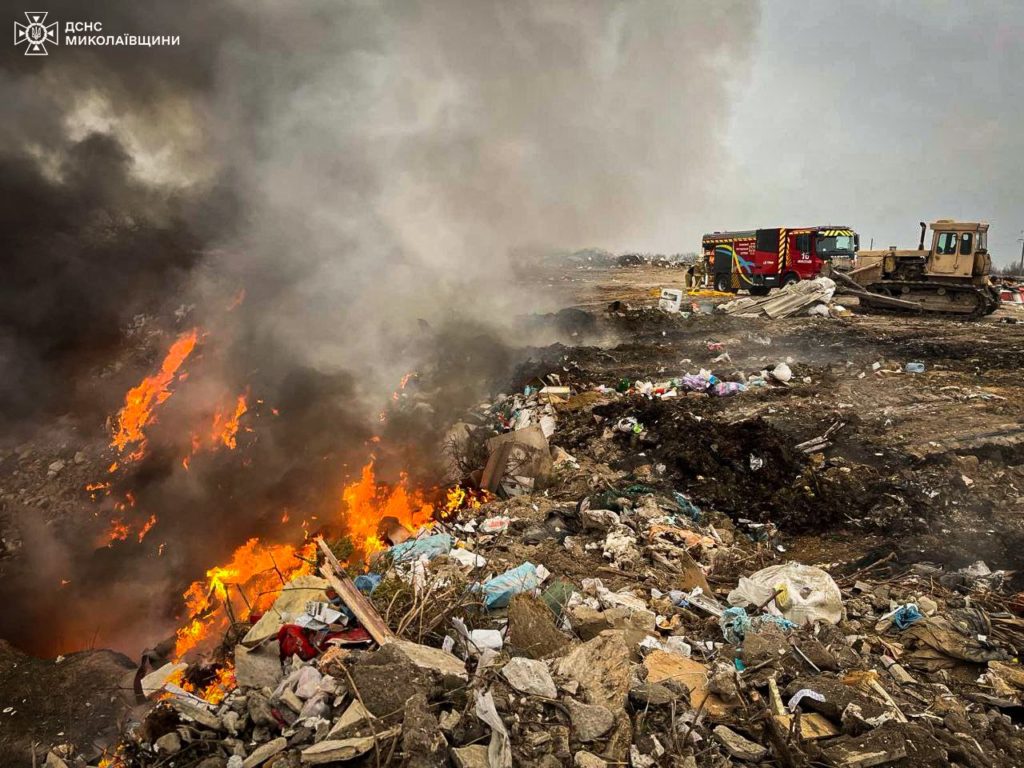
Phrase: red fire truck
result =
(762, 259)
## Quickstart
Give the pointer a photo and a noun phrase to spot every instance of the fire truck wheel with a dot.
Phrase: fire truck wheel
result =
(723, 283)
(790, 278)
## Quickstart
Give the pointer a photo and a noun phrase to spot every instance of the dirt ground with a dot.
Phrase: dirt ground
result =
(931, 464)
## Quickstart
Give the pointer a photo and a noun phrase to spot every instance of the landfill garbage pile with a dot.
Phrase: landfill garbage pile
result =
(571, 614)
(810, 297)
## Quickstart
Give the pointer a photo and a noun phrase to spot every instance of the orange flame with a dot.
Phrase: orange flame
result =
(256, 571)
(119, 531)
(215, 691)
(459, 497)
(225, 428)
(140, 401)
(367, 503)
(146, 527)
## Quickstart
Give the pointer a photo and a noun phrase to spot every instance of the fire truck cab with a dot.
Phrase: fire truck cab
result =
(762, 259)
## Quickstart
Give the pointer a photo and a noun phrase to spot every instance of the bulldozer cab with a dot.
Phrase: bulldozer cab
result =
(959, 249)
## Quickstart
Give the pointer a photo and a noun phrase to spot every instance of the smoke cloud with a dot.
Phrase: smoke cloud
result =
(367, 173)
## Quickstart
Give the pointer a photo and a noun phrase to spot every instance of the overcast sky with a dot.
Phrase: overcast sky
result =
(879, 115)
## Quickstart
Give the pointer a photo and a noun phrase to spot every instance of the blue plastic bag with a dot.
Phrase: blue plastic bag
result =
(499, 590)
(413, 549)
(906, 615)
(367, 582)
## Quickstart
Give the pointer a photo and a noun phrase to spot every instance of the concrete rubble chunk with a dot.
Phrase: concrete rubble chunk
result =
(260, 712)
(387, 678)
(584, 759)
(738, 746)
(449, 721)
(423, 744)
(432, 659)
(339, 750)
(473, 756)
(264, 752)
(602, 667)
(307, 682)
(258, 668)
(355, 713)
(197, 714)
(169, 743)
(530, 676)
(589, 721)
(293, 701)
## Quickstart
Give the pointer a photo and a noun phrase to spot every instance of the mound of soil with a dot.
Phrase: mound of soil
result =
(90, 692)
(749, 469)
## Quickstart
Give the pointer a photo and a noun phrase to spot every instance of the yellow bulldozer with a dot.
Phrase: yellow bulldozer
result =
(950, 278)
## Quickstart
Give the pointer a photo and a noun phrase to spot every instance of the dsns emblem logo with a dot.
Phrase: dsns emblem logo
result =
(36, 34)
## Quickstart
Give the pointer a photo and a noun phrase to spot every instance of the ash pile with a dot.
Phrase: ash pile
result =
(579, 609)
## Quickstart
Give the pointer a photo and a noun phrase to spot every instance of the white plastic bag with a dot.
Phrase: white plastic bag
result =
(808, 593)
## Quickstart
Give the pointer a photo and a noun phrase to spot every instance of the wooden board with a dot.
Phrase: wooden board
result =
(363, 609)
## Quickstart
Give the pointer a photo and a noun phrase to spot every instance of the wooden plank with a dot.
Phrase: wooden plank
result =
(363, 609)
(813, 726)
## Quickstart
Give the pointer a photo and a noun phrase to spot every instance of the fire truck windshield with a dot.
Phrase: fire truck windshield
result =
(835, 244)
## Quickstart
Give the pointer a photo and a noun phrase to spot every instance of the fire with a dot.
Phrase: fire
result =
(249, 582)
(215, 691)
(225, 428)
(146, 527)
(140, 401)
(459, 497)
(119, 531)
(367, 503)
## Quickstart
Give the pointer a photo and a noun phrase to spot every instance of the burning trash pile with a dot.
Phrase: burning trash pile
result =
(553, 610)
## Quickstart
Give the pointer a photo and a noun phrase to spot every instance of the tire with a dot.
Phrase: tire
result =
(790, 278)
(759, 290)
(723, 283)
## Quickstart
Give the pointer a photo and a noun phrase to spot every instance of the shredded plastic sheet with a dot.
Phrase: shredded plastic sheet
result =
(803, 693)
(499, 751)
(735, 623)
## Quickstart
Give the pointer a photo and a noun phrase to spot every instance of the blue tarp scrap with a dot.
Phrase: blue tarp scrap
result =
(431, 546)
(498, 591)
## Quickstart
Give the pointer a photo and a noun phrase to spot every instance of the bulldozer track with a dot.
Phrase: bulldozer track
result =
(986, 300)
